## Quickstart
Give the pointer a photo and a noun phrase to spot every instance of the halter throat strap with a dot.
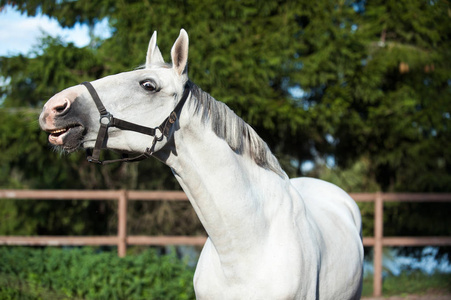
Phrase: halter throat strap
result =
(107, 120)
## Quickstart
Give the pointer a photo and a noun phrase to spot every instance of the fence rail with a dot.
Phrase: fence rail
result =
(121, 240)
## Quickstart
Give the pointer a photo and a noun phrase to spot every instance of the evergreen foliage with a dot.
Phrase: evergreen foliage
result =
(365, 84)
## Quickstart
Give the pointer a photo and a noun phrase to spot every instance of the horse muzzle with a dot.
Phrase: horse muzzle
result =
(58, 119)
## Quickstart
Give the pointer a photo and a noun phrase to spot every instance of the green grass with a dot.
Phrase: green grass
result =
(414, 282)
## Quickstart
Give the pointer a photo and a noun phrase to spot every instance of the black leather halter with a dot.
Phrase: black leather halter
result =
(107, 120)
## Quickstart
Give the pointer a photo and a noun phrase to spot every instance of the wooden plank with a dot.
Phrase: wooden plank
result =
(157, 195)
(363, 197)
(410, 241)
(368, 241)
(58, 240)
(417, 197)
(122, 224)
(166, 240)
(100, 240)
(378, 236)
(179, 195)
(60, 194)
(189, 240)
(417, 241)
(403, 197)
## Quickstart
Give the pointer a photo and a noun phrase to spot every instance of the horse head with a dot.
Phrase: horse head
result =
(144, 98)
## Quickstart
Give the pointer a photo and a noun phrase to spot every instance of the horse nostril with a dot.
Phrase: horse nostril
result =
(63, 107)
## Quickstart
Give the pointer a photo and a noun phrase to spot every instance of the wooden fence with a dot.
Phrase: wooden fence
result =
(378, 241)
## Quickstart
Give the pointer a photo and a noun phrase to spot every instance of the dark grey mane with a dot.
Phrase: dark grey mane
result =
(241, 137)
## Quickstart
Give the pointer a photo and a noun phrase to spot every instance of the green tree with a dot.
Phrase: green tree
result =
(377, 76)
(373, 82)
(379, 81)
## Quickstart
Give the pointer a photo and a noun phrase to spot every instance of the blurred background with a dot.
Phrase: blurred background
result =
(357, 93)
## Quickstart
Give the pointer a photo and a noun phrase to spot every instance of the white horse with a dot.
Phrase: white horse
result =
(269, 237)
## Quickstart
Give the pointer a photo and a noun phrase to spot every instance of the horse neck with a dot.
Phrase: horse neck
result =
(232, 195)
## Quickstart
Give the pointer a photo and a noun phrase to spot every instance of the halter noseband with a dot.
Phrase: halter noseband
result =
(107, 120)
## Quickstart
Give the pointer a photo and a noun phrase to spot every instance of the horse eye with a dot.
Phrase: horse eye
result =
(148, 85)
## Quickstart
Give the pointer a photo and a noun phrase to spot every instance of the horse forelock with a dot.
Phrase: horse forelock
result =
(239, 135)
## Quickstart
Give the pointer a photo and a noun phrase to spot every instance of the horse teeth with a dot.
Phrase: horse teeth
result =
(58, 131)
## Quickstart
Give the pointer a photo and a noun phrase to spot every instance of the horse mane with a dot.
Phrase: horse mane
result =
(239, 135)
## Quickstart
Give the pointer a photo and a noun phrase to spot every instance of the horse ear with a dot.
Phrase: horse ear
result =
(153, 53)
(179, 53)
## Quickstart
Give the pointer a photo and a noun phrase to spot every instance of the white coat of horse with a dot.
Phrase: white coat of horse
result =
(269, 237)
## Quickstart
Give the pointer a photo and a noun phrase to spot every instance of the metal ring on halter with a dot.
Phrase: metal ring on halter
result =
(159, 138)
(108, 117)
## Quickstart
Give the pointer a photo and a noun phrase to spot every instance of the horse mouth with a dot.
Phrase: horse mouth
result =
(69, 137)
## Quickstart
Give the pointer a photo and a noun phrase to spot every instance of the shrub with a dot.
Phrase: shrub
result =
(90, 274)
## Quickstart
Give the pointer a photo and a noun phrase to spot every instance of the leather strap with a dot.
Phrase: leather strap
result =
(107, 120)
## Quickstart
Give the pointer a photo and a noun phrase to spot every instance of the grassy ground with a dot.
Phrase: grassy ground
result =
(406, 284)
(411, 283)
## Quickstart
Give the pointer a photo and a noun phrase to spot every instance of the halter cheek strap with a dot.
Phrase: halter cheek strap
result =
(107, 120)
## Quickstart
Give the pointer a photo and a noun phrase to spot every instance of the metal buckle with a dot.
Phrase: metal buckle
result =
(172, 117)
(106, 119)
(93, 160)
(158, 138)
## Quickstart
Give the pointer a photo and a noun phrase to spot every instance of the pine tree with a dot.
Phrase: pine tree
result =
(372, 81)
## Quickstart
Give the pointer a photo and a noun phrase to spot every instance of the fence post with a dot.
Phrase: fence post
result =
(378, 236)
(122, 224)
